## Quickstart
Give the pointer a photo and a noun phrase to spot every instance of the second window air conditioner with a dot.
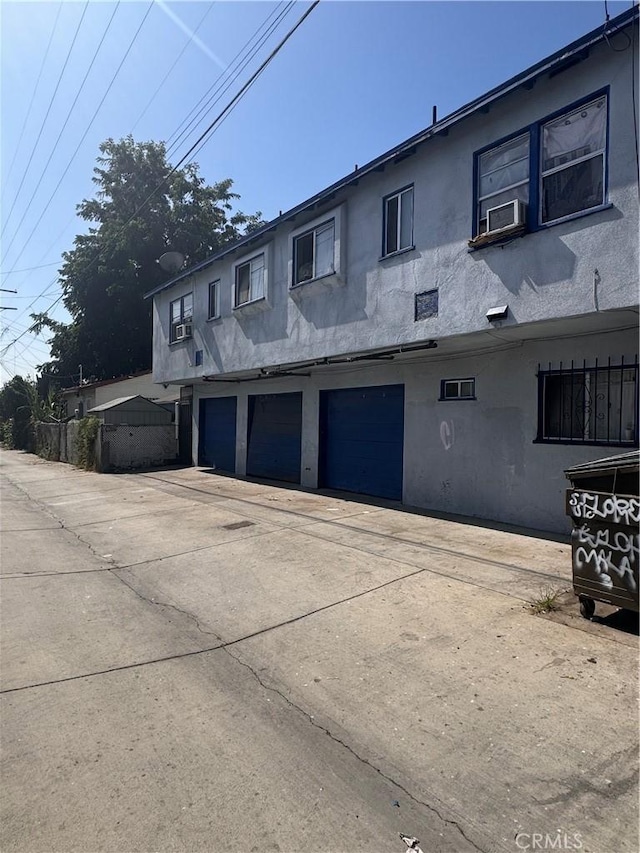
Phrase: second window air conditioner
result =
(506, 215)
(183, 331)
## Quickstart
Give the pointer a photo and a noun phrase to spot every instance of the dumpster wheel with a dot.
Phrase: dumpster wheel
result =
(587, 606)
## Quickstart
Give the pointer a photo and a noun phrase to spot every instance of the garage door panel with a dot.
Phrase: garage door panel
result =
(362, 439)
(217, 426)
(274, 436)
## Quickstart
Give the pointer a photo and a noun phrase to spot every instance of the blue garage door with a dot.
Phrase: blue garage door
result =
(361, 440)
(218, 433)
(274, 436)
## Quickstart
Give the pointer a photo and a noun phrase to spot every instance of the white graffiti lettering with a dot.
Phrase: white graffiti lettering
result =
(606, 553)
(615, 509)
(447, 434)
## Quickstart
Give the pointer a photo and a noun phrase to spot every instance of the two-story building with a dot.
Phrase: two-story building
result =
(449, 326)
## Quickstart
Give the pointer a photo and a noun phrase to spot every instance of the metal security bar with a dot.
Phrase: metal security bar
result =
(589, 404)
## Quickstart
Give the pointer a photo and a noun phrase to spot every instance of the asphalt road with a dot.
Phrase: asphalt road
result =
(195, 663)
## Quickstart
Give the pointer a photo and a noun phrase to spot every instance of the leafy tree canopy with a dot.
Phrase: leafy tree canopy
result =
(139, 212)
(21, 407)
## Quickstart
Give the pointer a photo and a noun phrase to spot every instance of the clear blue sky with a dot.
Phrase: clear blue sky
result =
(355, 79)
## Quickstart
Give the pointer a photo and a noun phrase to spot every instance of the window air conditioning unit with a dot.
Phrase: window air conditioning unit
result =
(183, 331)
(506, 215)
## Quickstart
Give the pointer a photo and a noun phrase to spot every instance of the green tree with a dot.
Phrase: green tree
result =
(140, 210)
(15, 414)
(21, 407)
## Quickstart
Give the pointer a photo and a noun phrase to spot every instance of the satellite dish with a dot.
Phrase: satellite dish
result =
(171, 261)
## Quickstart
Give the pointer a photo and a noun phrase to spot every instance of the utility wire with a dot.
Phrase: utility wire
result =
(174, 140)
(28, 269)
(269, 31)
(44, 254)
(44, 121)
(41, 295)
(175, 62)
(84, 135)
(47, 250)
(203, 137)
(66, 121)
(33, 94)
(222, 115)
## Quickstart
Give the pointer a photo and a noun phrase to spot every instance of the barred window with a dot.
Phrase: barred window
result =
(589, 404)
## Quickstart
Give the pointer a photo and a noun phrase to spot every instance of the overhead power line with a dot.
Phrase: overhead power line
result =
(175, 62)
(33, 95)
(215, 124)
(66, 121)
(209, 99)
(270, 27)
(222, 115)
(84, 135)
(44, 120)
(29, 269)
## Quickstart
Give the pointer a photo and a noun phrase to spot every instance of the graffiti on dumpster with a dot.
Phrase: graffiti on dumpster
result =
(608, 554)
(613, 509)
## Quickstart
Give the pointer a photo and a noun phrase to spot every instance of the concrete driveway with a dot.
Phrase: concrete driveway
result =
(196, 663)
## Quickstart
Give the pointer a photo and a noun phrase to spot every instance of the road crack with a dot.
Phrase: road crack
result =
(164, 604)
(311, 719)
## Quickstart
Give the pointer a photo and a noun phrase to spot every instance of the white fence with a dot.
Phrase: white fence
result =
(118, 447)
(121, 447)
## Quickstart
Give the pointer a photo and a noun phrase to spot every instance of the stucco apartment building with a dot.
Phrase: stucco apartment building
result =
(449, 326)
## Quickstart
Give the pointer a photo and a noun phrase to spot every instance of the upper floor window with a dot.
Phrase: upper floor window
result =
(503, 175)
(314, 253)
(250, 281)
(180, 316)
(214, 300)
(573, 161)
(554, 169)
(398, 221)
(589, 405)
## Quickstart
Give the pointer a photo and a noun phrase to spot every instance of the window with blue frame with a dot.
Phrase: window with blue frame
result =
(503, 176)
(572, 161)
(553, 169)
(398, 222)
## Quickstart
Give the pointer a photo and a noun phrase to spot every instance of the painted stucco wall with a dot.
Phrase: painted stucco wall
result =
(97, 395)
(142, 385)
(471, 457)
(582, 266)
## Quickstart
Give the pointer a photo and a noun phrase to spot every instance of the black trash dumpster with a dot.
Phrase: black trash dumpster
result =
(604, 507)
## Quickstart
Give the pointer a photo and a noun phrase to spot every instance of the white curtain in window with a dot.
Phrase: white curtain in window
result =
(578, 133)
(406, 219)
(187, 306)
(521, 192)
(257, 278)
(324, 249)
(504, 166)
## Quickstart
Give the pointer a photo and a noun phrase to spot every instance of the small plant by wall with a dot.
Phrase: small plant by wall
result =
(88, 429)
(6, 434)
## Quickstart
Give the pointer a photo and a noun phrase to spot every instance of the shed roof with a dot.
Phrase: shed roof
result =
(113, 404)
(569, 55)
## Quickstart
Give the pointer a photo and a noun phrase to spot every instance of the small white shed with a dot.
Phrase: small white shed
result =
(132, 411)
